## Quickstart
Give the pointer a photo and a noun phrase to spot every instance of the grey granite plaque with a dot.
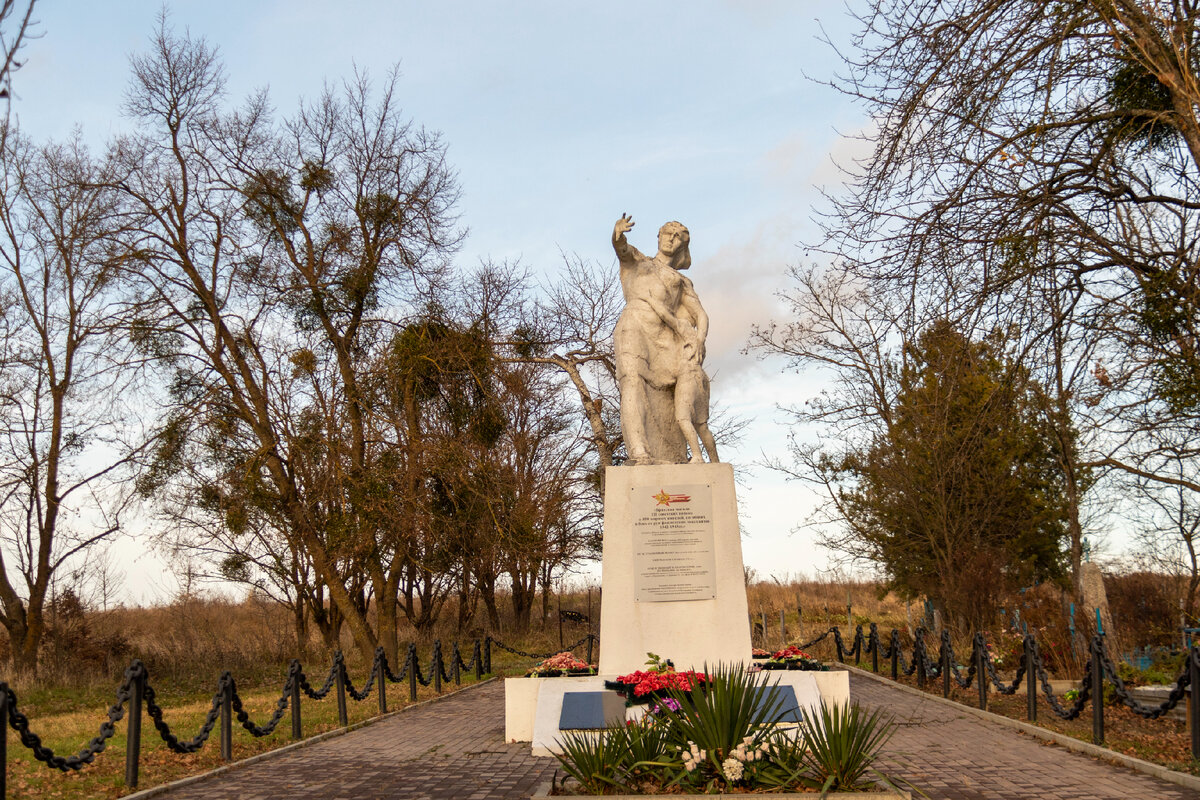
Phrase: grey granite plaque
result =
(781, 700)
(591, 710)
(673, 543)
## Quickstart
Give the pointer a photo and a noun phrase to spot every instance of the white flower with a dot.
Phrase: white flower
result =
(732, 768)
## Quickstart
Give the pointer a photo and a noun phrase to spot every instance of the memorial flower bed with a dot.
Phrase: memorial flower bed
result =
(719, 737)
(792, 657)
(560, 665)
(646, 686)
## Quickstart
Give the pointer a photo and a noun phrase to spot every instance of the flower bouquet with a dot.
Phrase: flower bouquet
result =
(561, 665)
(792, 657)
(645, 686)
(758, 653)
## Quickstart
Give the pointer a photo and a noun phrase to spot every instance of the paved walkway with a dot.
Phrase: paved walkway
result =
(454, 748)
(952, 754)
(450, 748)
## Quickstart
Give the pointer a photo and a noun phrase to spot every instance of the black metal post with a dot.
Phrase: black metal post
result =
(895, 654)
(133, 743)
(487, 655)
(837, 641)
(437, 665)
(874, 647)
(3, 740)
(412, 673)
(1194, 716)
(590, 641)
(455, 660)
(297, 731)
(1097, 693)
(226, 717)
(477, 658)
(381, 678)
(981, 673)
(945, 663)
(919, 656)
(339, 668)
(1030, 679)
(858, 640)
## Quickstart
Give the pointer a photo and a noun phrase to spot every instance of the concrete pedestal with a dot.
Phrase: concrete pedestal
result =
(692, 632)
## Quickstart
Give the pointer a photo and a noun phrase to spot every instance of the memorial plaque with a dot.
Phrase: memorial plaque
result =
(781, 701)
(673, 543)
(591, 710)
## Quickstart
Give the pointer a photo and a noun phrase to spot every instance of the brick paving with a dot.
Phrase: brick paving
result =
(951, 754)
(454, 748)
(450, 748)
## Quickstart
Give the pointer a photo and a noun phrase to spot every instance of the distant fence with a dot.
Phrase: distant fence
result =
(946, 667)
(136, 692)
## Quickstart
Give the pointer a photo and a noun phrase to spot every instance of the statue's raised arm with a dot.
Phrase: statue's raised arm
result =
(625, 251)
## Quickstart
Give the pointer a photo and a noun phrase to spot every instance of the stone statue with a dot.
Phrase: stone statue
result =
(659, 343)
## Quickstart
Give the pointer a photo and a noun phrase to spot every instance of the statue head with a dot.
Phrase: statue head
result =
(673, 241)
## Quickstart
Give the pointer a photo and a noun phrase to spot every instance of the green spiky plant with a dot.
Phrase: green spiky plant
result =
(692, 746)
(842, 744)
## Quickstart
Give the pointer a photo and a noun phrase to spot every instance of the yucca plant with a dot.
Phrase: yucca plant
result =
(594, 759)
(841, 745)
(720, 736)
(726, 722)
(624, 757)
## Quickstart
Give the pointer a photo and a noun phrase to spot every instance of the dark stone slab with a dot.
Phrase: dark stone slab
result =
(590, 710)
(781, 698)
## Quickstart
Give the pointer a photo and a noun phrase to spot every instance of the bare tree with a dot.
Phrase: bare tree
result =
(67, 449)
(572, 331)
(16, 27)
(1168, 520)
(275, 259)
(1040, 164)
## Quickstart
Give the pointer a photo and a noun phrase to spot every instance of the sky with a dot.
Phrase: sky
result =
(558, 117)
